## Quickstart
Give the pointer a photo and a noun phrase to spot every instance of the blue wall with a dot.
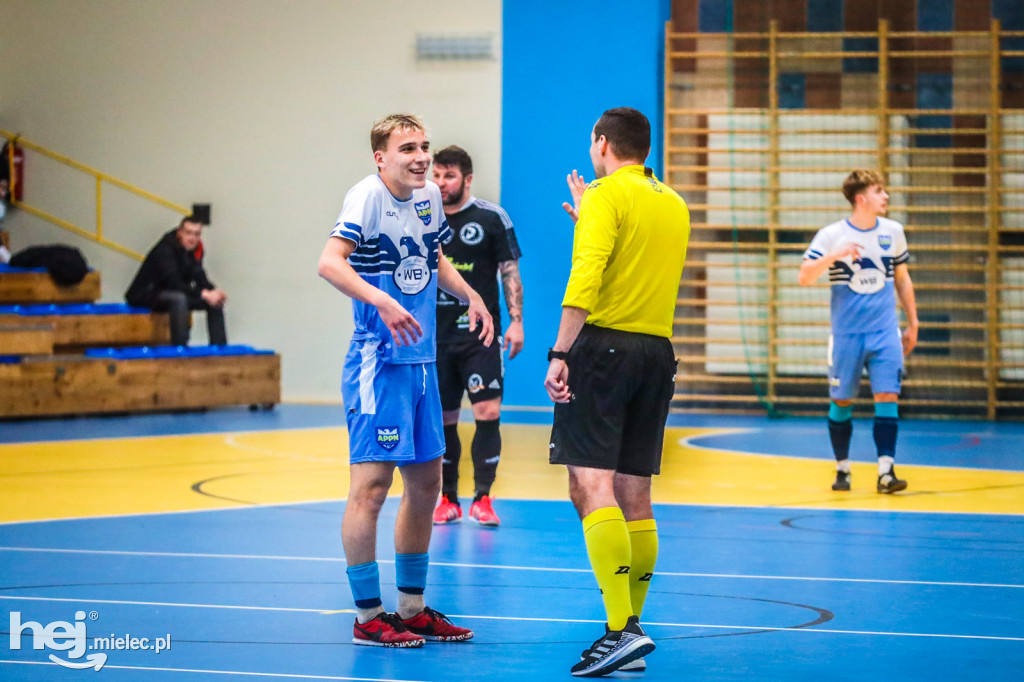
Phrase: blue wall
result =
(564, 63)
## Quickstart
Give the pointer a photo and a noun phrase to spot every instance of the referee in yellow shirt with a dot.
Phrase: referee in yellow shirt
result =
(612, 371)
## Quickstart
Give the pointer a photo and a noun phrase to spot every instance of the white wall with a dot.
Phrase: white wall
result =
(260, 107)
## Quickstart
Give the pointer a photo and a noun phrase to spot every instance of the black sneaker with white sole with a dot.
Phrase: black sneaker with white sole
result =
(614, 650)
(888, 483)
(842, 481)
(637, 666)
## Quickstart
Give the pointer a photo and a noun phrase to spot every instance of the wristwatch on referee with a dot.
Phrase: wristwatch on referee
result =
(557, 354)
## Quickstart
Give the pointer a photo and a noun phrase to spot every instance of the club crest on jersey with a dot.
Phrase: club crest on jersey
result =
(387, 437)
(423, 211)
(471, 234)
(885, 241)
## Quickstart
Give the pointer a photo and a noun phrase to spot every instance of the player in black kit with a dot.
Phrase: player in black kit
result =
(483, 244)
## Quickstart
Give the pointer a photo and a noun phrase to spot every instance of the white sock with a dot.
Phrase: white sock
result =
(409, 605)
(366, 615)
(843, 465)
(885, 465)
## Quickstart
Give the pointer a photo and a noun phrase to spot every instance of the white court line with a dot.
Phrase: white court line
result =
(160, 603)
(728, 576)
(466, 616)
(220, 672)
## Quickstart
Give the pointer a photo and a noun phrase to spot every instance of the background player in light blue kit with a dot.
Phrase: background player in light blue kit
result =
(866, 258)
(384, 253)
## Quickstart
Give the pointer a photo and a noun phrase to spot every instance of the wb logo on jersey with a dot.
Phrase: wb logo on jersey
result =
(885, 241)
(423, 211)
(412, 275)
(387, 438)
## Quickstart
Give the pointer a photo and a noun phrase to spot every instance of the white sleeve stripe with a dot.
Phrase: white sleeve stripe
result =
(496, 209)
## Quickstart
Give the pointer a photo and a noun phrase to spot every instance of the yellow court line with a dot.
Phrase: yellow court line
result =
(74, 479)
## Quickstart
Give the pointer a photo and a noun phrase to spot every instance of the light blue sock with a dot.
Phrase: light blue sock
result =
(411, 572)
(411, 580)
(364, 580)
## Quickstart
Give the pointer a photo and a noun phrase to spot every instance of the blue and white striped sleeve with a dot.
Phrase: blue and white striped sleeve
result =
(902, 252)
(358, 220)
(445, 233)
(819, 247)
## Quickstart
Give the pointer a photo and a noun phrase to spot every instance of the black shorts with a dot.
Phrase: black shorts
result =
(469, 367)
(622, 384)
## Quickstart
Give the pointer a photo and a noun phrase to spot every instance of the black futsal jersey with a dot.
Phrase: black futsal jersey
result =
(482, 237)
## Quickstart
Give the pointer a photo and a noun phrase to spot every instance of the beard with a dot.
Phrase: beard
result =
(456, 197)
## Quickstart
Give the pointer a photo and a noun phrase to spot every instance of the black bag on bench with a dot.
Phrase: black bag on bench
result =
(66, 264)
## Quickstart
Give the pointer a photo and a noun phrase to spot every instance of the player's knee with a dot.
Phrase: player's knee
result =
(369, 495)
(487, 410)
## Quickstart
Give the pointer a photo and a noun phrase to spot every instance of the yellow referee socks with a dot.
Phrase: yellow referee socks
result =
(607, 539)
(643, 540)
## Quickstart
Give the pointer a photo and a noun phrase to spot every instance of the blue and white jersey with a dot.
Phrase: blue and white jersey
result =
(396, 251)
(863, 290)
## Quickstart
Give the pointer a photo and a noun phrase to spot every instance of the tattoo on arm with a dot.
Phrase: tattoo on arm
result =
(513, 286)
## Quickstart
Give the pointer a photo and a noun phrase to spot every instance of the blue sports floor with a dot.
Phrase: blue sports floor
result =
(218, 533)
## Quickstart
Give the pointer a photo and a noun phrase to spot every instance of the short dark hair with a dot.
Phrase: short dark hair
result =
(454, 156)
(628, 132)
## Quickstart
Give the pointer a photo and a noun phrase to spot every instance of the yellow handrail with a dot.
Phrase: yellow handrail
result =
(100, 177)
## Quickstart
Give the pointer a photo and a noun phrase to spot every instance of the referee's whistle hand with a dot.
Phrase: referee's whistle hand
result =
(557, 381)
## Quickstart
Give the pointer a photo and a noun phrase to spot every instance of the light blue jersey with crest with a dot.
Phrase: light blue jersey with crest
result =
(397, 252)
(863, 289)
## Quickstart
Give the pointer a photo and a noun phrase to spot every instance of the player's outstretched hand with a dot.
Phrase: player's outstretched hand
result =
(577, 186)
(404, 328)
(478, 314)
(557, 381)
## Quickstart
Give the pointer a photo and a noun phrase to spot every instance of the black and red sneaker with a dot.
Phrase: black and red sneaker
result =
(436, 627)
(385, 629)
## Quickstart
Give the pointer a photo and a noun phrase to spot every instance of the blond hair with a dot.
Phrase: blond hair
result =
(382, 129)
(858, 181)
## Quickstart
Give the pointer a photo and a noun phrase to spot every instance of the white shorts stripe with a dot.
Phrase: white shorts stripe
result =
(367, 370)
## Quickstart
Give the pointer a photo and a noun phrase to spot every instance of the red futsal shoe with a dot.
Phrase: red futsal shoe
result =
(435, 626)
(482, 512)
(385, 629)
(447, 512)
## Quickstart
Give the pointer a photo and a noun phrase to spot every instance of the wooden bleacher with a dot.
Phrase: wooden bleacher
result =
(38, 287)
(75, 332)
(26, 339)
(50, 364)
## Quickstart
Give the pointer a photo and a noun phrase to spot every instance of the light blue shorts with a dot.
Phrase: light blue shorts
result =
(848, 354)
(393, 411)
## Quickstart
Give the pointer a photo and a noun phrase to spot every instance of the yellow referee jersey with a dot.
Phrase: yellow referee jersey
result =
(628, 252)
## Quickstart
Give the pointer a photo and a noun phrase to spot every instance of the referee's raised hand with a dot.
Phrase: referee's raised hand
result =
(577, 186)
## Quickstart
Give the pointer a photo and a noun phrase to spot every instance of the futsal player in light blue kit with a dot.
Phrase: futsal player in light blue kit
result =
(866, 258)
(384, 253)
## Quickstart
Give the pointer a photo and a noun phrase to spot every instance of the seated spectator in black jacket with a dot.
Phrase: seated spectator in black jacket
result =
(172, 279)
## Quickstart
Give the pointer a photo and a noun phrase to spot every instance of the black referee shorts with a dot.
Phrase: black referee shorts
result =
(622, 384)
